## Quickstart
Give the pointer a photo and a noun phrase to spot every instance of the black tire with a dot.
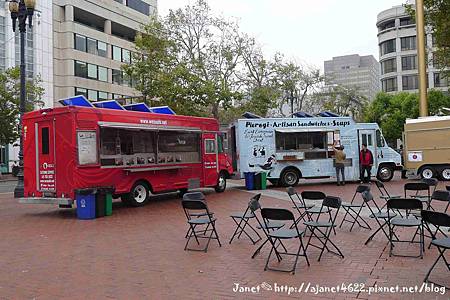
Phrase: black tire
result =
(444, 173)
(139, 194)
(427, 172)
(182, 192)
(385, 173)
(221, 183)
(289, 177)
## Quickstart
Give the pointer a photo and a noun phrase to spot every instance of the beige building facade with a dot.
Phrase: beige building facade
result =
(92, 39)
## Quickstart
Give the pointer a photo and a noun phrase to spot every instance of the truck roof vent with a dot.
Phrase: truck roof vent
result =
(79, 100)
(162, 110)
(302, 114)
(109, 104)
(249, 115)
(328, 114)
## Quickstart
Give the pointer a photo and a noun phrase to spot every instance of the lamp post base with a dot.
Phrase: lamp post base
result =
(19, 189)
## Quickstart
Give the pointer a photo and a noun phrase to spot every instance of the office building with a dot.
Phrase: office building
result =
(354, 71)
(92, 40)
(398, 53)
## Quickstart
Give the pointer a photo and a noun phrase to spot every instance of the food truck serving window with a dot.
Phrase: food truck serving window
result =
(178, 147)
(315, 144)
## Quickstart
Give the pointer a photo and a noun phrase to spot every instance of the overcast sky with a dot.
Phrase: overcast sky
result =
(311, 31)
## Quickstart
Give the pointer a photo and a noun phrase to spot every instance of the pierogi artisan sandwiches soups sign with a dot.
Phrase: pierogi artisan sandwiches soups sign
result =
(297, 123)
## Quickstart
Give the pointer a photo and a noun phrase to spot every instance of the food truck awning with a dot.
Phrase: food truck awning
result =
(293, 130)
(146, 126)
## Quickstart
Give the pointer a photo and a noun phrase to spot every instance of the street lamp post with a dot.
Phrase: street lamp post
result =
(21, 11)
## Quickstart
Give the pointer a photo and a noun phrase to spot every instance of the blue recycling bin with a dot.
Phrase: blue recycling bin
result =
(85, 204)
(249, 180)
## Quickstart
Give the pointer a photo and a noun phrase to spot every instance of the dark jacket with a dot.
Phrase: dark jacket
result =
(366, 158)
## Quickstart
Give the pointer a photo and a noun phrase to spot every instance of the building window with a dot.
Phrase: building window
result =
(102, 96)
(408, 43)
(440, 80)
(80, 69)
(406, 21)
(102, 74)
(91, 46)
(81, 91)
(80, 42)
(117, 53)
(92, 72)
(140, 6)
(388, 66)
(386, 25)
(2, 44)
(126, 56)
(92, 95)
(409, 62)
(410, 82)
(102, 49)
(387, 47)
(389, 84)
(117, 77)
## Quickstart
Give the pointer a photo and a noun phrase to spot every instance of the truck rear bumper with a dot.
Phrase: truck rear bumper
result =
(46, 200)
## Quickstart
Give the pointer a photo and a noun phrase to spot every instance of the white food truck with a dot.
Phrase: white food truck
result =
(288, 149)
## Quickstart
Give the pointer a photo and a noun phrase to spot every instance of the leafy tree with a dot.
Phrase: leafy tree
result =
(10, 100)
(391, 111)
(437, 16)
(344, 101)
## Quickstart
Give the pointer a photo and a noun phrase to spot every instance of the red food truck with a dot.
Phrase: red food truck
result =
(137, 153)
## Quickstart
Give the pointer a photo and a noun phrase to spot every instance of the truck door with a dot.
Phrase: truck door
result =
(210, 159)
(45, 156)
(367, 136)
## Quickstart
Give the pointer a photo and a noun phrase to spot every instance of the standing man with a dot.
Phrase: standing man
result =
(339, 157)
(366, 162)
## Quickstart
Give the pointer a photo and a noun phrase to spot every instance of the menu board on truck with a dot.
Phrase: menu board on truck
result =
(87, 147)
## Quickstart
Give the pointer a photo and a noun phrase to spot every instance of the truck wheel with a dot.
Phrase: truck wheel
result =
(445, 173)
(385, 173)
(139, 194)
(427, 172)
(289, 177)
(221, 183)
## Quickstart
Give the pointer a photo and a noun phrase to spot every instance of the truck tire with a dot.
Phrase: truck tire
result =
(445, 173)
(385, 173)
(139, 194)
(221, 183)
(427, 172)
(289, 177)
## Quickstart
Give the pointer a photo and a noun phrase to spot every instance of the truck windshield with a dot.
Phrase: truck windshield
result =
(380, 139)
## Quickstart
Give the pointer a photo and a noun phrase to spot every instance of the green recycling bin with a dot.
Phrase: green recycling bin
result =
(108, 206)
(263, 180)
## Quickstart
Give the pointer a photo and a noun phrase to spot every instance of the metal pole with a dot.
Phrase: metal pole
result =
(421, 57)
(19, 190)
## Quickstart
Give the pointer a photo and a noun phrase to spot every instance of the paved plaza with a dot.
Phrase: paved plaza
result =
(137, 253)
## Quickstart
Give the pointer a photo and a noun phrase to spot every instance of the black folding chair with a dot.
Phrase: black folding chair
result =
(354, 210)
(196, 206)
(417, 188)
(242, 221)
(299, 205)
(442, 196)
(321, 229)
(384, 194)
(437, 219)
(379, 216)
(271, 226)
(407, 205)
(432, 183)
(279, 214)
(199, 196)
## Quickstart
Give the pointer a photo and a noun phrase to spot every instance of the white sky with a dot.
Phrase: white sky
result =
(309, 31)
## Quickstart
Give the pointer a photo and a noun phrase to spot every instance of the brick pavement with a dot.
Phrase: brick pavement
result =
(138, 253)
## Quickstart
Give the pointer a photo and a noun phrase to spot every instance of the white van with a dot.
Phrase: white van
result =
(288, 149)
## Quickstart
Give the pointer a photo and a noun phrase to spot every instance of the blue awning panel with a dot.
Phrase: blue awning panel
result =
(109, 104)
(142, 107)
(302, 114)
(162, 110)
(79, 100)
